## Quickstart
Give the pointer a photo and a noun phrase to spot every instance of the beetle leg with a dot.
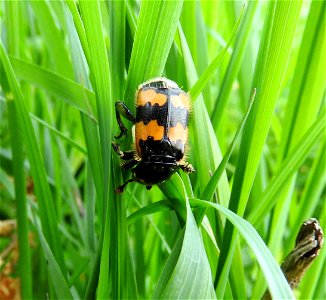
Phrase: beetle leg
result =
(130, 164)
(120, 188)
(125, 155)
(122, 110)
(186, 167)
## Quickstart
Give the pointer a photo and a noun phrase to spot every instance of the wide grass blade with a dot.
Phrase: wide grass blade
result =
(101, 79)
(156, 31)
(187, 274)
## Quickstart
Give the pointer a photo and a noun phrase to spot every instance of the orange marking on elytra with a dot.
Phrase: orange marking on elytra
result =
(180, 100)
(143, 131)
(150, 96)
(178, 133)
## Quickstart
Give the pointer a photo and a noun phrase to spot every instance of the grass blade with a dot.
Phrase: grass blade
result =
(209, 72)
(288, 167)
(187, 274)
(274, 52)
(277, 283)
(55, 274)
(25, 270)
(56, 85)
(42, 189)
(152, 29)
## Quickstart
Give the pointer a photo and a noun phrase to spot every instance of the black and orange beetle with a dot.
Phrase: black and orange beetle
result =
(161, 132)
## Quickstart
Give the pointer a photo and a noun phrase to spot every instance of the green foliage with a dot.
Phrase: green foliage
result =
(260, 165)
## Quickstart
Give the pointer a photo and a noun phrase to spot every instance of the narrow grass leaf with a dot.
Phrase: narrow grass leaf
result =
(99, 66)
(274, 52)
(288, 167)
(202, 131)
(101, 75)
(241, 42)
(60, 134)
(212, 184)
(42, 189)
(25, 270)
(211, 69)
(151, 208)
(55, 274)
(55, 84)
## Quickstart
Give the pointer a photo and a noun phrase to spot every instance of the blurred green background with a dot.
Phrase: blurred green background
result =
(63, 66)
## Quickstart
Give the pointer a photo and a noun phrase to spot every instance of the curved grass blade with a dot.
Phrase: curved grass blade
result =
(150, 209)
(187, 274)
(64, 88)
(277, 283)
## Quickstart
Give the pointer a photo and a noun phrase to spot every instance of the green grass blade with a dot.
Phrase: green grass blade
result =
(187, 275)
(288, 167)
(42, 189)
(209, 72)
(156, 31)
(56, 85)
(99, 66)
(100, 70)
(308, 81)
(274, 52)
(277, 283)
(212, 184)
(55, 274)
(201, 131)
(314, 187)
(60, 134)
(52, 37)
(241, 42)
(150, 209)
(25, 270)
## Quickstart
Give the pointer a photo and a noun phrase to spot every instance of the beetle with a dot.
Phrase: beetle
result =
(161, 132)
